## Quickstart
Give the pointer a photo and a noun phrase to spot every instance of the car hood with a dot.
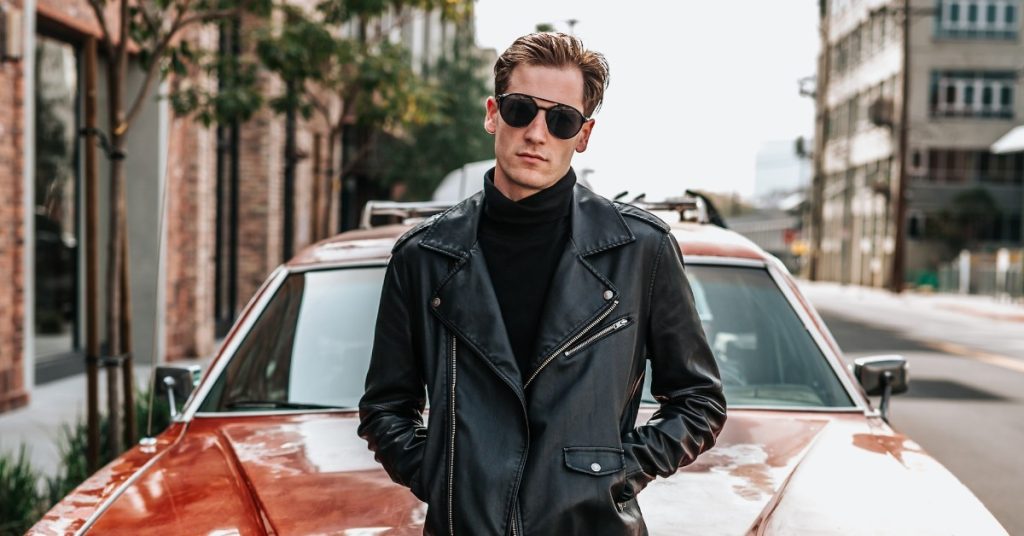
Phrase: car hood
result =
(771, 473)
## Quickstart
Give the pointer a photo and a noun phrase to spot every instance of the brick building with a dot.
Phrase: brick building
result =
(226, 194)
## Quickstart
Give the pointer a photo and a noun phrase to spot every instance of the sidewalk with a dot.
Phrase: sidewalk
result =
(981, 307)
(38, 425)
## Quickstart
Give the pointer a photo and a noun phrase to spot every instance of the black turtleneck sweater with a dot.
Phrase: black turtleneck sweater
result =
(522, 243)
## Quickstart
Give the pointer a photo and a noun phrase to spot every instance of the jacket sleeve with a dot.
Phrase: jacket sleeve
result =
(391, 409)
(684, 381)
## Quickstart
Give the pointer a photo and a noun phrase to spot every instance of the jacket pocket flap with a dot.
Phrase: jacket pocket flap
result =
(596, 461)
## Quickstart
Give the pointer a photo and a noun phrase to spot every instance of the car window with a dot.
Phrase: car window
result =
(309, 348)
(765, 355)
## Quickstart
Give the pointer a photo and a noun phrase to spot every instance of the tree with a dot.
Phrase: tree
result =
(969, 218)
(359, 77)
(151, 30)
(453, 137)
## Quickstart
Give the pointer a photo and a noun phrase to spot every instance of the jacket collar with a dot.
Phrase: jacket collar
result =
(596, 226)
(467, 303)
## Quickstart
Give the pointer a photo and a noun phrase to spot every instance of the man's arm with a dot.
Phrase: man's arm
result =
(684, 380)
(391, 409)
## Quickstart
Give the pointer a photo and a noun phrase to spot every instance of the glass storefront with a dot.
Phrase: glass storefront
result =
(56, 200)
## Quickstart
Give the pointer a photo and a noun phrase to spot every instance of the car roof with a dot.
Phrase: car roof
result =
(374, 244)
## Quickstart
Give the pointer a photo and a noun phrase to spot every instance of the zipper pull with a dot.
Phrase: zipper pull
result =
(621, 323)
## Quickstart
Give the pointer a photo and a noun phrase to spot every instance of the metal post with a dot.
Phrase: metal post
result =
(92, 306)
(820, 142)
(899, 250)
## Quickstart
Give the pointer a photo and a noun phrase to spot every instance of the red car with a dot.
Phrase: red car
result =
(266, 443)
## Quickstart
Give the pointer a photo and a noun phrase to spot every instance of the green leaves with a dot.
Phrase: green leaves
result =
(19, 499)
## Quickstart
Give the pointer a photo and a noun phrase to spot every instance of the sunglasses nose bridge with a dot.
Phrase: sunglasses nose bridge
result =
(538, 121)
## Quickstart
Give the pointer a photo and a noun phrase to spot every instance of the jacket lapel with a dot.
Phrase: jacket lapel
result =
(465, 300)
(579, 294)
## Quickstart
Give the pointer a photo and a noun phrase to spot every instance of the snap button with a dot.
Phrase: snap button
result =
(608, 294)
(595, 467)
(435, 302)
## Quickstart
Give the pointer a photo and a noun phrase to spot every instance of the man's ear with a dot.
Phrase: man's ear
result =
(581, 144)
(491, 115)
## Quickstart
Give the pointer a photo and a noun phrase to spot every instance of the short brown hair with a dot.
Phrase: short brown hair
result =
(553, 49)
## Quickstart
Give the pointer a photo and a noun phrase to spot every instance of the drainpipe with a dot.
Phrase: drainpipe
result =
(28, 159)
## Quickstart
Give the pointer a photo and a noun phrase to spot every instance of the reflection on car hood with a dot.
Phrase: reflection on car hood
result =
(771, 473)
(780, 474)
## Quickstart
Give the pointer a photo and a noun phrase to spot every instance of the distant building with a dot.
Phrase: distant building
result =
(964, 95)
(776, 229)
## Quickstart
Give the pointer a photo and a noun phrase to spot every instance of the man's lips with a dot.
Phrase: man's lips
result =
(532, 156)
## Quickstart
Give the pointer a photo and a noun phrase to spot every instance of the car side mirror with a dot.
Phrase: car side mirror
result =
(884, 375)
(175, 384)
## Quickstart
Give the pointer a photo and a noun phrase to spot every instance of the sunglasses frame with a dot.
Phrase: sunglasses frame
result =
(537, 109)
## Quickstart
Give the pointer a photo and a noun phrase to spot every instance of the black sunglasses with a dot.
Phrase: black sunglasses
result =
(518, 110)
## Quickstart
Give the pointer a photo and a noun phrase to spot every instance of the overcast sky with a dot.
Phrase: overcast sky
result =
(696, 86)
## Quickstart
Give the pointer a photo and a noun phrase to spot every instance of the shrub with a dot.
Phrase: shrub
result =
(19, 495)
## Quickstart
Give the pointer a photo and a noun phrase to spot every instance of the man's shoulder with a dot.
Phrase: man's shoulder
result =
(417, 230)
(637, 214)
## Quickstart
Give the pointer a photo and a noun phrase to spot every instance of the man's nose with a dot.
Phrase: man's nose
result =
(537, 130)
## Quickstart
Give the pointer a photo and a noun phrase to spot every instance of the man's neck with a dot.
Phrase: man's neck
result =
(515, 191)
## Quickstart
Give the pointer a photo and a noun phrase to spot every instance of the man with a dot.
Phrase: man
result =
(529, 312)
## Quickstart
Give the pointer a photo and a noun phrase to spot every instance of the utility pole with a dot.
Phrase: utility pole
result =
(900, 210)
(820, 142)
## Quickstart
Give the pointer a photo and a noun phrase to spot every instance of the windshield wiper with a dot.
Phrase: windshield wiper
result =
(275, 404)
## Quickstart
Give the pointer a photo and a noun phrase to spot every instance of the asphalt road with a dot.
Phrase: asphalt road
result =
(965, 405)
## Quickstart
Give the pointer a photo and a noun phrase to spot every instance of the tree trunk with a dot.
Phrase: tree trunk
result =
(333, 183)
(92, 306)
(127, 374)
(115, 87)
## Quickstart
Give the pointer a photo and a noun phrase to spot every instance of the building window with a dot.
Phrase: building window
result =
(953, 94)
(976, 19)
(56, 267)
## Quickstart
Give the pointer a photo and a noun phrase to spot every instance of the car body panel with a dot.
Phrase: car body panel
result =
(794, 471)
(772, 472)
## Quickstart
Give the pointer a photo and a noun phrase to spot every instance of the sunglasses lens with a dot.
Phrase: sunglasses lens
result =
(564, 122)
(517, 110)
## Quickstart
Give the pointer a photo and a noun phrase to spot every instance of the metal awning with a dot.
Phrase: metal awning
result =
(1011, 142)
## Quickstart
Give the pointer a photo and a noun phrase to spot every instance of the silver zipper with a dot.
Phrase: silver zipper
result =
(616, 326)
(451, 450)
(572, 341)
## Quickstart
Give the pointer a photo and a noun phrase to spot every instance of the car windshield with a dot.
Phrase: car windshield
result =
(765, 354)
(310, 347)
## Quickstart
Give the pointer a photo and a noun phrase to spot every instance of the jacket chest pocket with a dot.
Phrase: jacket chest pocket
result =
(598, 335)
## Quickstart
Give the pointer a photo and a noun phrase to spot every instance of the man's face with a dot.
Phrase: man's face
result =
(530, 159)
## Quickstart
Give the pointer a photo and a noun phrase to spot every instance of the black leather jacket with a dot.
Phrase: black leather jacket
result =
(552, 450)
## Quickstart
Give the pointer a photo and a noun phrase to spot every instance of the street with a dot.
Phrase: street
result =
(966, 399)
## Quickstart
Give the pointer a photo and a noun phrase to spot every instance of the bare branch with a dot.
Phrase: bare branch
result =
(148, 18)
(101, 19)
(209, 16)
(181, 21)
(318, 103)
(153, 69)
(363, 152)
